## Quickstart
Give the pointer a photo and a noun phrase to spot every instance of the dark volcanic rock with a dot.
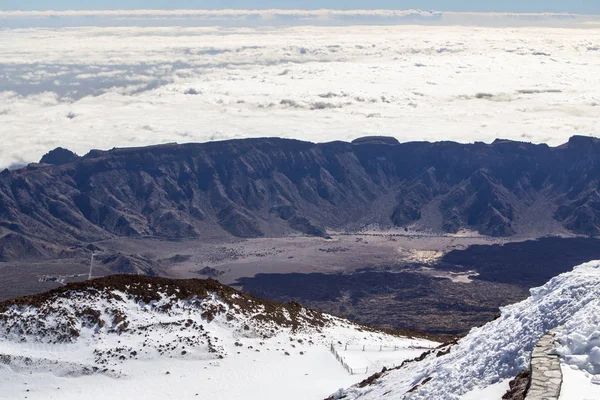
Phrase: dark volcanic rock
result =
(395, 300)
(273, 187)
(238, 223)
(530, 263)
(376, 140)
(518, 386)
(59, 156)
(581, 215)
(210, 272)
(131, 264)
(15, 246)
(480, 200)
(298, 222)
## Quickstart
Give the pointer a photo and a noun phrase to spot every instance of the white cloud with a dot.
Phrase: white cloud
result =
(219, 13)
(21, 19)
(126, 86)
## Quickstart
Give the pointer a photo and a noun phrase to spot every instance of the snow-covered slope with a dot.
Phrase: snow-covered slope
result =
(125, 336)
(480, 365)
(154, 338)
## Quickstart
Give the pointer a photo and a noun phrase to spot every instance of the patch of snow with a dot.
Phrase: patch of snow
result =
(495, 391)
(577, 385)
(580, 339)
(368, 358)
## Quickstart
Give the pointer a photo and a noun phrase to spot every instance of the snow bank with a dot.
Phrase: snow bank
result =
(576, 385)
(501, 349)
(580, 340)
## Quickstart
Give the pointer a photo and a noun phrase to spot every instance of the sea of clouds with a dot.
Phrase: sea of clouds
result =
(113, 86)
(277, 17)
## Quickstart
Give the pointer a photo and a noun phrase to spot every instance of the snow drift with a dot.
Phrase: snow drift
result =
(498, 351)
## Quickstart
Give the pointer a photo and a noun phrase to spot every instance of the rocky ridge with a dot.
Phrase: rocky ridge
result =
(274, 187)
(104, 305)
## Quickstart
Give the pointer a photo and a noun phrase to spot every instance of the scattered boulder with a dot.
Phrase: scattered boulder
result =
(518, 386)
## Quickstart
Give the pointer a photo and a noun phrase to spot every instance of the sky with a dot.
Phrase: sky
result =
(571, 6)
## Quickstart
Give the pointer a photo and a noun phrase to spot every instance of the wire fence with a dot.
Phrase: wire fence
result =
(372, 348)
(368, 348)
(352, 371)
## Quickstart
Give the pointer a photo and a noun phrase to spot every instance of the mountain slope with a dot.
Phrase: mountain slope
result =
(273, 187)
(495, 353)
(127, 335)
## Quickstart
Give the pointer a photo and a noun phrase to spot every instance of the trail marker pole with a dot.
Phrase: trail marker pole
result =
(91, 266)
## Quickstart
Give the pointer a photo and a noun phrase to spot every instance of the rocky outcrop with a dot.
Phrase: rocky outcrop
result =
(59, 156)
(376, 140)
(61, 314)
(518, 386)
(273, 187)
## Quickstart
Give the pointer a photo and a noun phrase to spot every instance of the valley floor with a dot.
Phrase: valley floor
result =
(439, 283)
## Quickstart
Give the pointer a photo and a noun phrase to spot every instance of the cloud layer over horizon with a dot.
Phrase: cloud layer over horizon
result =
(290, 17)
(84, 88)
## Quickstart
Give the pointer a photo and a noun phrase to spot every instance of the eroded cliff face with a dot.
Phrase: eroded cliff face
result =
(272, 187)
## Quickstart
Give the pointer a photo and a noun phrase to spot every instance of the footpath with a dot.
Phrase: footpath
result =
(546, 375)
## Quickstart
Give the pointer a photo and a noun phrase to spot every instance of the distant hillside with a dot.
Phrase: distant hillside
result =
(273, 187)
